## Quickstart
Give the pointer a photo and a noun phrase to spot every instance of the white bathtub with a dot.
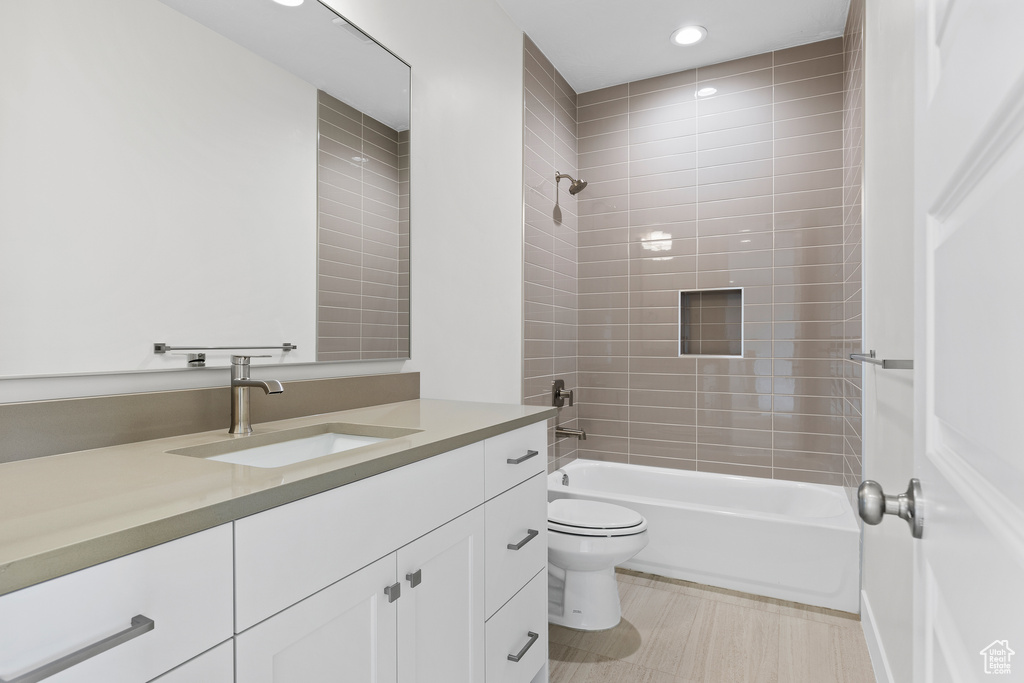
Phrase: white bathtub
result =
(781, 539)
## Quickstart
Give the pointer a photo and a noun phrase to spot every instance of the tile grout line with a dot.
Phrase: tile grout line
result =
(774, 247)
(696, 262)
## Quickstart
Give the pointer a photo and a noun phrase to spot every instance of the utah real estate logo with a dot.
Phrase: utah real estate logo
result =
(997, 657)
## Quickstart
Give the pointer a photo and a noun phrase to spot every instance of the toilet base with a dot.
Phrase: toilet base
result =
(588, 601)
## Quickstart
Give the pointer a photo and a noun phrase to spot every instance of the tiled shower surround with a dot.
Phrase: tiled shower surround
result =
(740, 188)
(550, 228)
(363, 227)
(853, 164)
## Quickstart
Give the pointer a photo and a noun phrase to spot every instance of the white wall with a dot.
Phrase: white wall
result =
(889, 326)
(466, 198)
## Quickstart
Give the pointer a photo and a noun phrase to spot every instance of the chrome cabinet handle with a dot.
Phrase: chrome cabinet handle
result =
(530, 535)
(394, 591)
(414, 578)
(140, 625)
(522, 653)
(516, 461)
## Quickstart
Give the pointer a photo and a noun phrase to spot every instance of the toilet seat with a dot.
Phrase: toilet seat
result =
(592, 518)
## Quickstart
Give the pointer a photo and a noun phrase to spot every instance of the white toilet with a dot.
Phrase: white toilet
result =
(586, 539)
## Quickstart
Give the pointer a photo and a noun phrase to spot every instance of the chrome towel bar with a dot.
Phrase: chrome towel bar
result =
(886, 364)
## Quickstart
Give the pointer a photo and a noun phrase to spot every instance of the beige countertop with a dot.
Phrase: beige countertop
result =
(66, 512)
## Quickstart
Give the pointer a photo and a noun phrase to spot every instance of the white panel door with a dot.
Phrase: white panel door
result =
(346, 632)
(969, 382)
(441, 618)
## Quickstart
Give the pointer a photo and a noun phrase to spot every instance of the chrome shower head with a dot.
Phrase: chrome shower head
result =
(576, 186)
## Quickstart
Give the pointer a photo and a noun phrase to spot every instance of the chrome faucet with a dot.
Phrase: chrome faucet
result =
(240, 384)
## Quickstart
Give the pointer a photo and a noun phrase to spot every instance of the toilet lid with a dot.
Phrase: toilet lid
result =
(572, 515)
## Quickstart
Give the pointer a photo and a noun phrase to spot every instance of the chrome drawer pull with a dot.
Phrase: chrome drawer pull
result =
(530, 535)
(522, 653)
(140, 625)
(414, 578)
(516, 461)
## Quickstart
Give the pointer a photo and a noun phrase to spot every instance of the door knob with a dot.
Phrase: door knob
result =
(873, 504)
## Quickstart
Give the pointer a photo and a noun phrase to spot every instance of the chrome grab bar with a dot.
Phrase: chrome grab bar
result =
(869, 357)
(140, 625)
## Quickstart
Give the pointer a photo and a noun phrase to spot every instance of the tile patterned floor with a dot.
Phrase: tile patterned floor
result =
(680, 632)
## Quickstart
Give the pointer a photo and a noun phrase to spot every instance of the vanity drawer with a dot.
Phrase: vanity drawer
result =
(509, 460)
(183, 586)
(509, 519)
(510, 631)
(288, 553)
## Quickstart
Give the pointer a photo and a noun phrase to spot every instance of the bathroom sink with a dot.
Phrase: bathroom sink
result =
(291, 446)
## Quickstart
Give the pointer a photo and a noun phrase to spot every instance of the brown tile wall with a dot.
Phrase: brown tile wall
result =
(550, 230)
(362, 190)
(853, 168)
(747, 186)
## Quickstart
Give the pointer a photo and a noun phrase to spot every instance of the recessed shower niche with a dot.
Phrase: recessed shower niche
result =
(711, 322)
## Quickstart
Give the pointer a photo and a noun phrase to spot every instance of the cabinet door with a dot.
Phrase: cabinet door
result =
(213, 666)
(441, 618)
(346, 632)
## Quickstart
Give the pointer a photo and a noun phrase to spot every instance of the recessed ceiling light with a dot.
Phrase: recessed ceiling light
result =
(706, 92)
(289, 3)
(689, 35)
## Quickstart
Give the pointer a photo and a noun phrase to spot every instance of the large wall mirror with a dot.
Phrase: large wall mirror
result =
(198, 172)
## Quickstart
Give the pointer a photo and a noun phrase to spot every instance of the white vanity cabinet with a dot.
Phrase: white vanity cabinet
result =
(171, 603)
(413, 610)
(516, 531)
(394, 577)
(429, 572)
(414, 616)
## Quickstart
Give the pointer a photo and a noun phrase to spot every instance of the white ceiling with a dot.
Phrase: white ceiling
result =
(598, 43)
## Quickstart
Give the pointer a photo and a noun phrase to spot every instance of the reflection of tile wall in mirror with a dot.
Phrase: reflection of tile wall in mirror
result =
(363, 289)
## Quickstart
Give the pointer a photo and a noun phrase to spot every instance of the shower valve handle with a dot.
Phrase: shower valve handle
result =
(559, 394)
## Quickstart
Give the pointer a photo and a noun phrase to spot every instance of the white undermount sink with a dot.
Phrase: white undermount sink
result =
(277, 449)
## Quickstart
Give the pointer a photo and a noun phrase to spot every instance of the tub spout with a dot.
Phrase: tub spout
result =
(566, 431)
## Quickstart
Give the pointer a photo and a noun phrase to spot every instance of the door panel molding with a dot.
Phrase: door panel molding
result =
(1003, 128)
(997, 511)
